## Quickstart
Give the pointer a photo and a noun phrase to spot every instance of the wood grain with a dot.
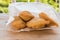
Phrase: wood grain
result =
(52, 34)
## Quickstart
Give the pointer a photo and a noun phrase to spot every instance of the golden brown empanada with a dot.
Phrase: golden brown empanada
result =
(37, 23)
(17, 23)
(46, 17)
(25, 15)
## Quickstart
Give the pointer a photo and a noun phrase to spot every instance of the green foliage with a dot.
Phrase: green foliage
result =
(44, 1)
(3, 9)
(51, 3)
(21, 0)
(32, 0)
(24, 0)
(4, 5)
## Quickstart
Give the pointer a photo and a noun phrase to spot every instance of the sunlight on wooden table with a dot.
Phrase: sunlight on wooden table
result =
(52, 34)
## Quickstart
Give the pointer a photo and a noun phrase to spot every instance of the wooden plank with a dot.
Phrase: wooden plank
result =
(52, 34)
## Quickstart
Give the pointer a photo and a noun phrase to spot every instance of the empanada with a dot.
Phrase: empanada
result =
(36, 23)
(25, 15)
(17, 23)
(46, 17)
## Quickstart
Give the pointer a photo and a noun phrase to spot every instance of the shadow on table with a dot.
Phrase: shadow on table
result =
(34, 33)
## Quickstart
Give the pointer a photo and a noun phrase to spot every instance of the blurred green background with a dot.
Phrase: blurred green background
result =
(5, 3)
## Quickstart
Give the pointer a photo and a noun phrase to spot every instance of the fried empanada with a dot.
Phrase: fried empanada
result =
(46, 17)
(36, 23)
(25, 15)
(17, 23)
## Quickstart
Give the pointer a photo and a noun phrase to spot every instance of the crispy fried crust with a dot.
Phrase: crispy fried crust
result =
(46, 17)
(17, 23)
(25, 15)
(36, 23)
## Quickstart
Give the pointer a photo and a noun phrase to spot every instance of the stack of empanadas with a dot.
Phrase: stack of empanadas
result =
(26, 20)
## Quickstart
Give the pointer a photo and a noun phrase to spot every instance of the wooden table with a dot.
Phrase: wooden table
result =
(52, 34)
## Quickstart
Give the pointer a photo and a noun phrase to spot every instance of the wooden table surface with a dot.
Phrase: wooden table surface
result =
(52, 34)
